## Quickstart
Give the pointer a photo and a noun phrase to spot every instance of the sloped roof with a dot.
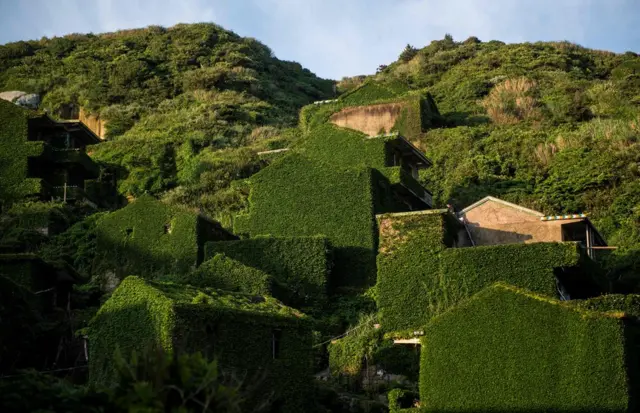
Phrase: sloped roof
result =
(189, 295)
(509, 204)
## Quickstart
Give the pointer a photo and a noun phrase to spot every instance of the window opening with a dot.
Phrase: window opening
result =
(276, 336)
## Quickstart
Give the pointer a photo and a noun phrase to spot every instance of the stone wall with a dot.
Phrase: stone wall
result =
(370, 119)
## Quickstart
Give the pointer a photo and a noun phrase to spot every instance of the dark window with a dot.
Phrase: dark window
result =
(276, 336)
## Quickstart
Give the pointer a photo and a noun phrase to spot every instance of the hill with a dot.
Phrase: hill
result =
(553, 126)
(170, 98)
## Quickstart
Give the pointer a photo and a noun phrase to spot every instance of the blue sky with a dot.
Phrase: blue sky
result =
(336, 38)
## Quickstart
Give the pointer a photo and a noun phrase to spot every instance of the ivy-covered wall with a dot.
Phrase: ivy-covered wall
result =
(149, 237)
(409, 266)
(420, 277)
(331, 183)
(14, 152)
(296, 196)
(300, 266)
(508, 350)
(227, 274)
(418, 114)
(239, 330)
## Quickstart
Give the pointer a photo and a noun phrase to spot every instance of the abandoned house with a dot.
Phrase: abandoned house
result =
(492, 221)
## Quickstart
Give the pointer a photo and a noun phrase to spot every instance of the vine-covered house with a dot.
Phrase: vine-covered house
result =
(44, 159)
(265, 344)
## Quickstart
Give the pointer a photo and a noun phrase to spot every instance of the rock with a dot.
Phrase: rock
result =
(30, 100)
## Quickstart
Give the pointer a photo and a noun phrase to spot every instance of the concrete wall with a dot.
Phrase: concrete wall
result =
(93, 122)
(495, 223)
(369, 119)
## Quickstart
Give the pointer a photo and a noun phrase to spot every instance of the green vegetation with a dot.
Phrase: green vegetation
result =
(551, 126)
(227, 274)
(290, 198)
(300, 266)
(152, 382)
(149, 238)
(252, 335)
(159, 89)
(479, 357)
(14, 150)
(419, 277)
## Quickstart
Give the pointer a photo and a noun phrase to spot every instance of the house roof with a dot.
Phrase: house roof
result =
(509, 204)
(543, 218)
(182, 294)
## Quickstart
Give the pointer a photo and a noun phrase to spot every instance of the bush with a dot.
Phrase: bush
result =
(151, 382)
(509, 350)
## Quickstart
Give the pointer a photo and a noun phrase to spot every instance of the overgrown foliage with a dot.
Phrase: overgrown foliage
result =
(224, 273)
(479, 357)
(150, 238)
(158, 88)
(255, 337)
(419, 277)
(550, 125)
(151, 381)
(299, 267)
(14, 151)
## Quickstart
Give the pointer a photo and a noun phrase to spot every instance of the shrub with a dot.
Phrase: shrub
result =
(512, 101)
(506, 349)
(347, 355)
(408, 53)
(152, 382)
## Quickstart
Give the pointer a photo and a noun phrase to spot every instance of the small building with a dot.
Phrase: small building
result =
(149, 237)
(257, 339)
(44, 159)
(509, 350)
(492, 221)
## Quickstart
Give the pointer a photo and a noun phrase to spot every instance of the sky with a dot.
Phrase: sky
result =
(336, 38)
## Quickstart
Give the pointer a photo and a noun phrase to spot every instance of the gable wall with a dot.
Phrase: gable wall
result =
(494, 223)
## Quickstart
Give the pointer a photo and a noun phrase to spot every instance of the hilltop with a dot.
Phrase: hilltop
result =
(170, 97)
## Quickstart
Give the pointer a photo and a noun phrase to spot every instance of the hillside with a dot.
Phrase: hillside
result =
(553, 126)
(170, 98)
(353, 236)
